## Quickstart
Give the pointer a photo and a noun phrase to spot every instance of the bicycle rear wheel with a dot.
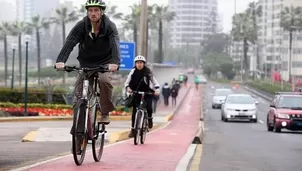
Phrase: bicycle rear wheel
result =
(99, 138)
(137, 128)
(144, 131)
(79, 137)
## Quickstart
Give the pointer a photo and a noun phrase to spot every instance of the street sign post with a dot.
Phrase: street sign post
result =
(127, 55)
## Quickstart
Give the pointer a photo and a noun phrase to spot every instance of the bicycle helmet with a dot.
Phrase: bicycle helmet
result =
(95, 3)
(140, 58)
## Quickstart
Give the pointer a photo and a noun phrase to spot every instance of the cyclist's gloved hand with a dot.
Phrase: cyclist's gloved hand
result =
(157, 92)
(112, 67)
(60, 65)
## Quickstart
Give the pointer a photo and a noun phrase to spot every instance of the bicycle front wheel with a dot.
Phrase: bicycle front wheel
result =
(79, 136)
(98, 141)
(144, 131)
(137, 127)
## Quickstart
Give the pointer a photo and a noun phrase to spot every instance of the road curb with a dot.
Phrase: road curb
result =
(30, 136)
(123, 135)
(59, 118)
(199, 133)
(257, 93)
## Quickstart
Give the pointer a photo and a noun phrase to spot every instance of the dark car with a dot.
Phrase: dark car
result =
(285, 112)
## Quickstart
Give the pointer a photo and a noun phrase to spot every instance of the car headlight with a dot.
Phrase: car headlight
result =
(283, 115)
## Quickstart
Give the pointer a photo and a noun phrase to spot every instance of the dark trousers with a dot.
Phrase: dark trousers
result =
(136, 103)
(166, 100)
(173, 101)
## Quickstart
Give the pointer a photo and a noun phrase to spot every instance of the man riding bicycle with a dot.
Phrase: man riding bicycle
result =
(98, 42)
(140, 79)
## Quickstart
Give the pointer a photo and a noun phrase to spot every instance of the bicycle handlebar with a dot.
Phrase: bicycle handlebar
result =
(101, 68)
(142, 92)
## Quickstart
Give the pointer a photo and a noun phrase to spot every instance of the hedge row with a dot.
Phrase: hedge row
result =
(269, 87)
(35, 105)
(35, 95)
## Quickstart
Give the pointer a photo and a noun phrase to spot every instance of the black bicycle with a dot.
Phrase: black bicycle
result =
(85, 127)
(141, 119)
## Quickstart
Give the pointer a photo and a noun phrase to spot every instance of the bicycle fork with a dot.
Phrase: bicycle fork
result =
(142, 114)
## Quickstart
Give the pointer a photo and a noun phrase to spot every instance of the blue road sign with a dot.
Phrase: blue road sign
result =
(127, 55)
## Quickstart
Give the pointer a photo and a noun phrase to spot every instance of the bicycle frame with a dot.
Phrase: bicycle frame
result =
(141, 108)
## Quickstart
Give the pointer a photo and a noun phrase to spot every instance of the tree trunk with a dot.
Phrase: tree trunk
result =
(160, 42)
(5, 59)
(290, 56)
(63, 38)
(20, 58)
(135, 37)
(38, 55)
(245, 59)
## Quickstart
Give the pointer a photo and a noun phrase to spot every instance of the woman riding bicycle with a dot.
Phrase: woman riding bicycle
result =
(140, 78)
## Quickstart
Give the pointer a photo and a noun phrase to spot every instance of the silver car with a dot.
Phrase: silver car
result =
(219, 97)
(239, 107)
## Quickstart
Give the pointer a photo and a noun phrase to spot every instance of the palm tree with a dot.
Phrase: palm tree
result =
(131, 21)
(243, 30)
(37, 23)
(162, 14)
(5, 30)
(18, 29)
(291, 21)
(64, 17)
(255, 11)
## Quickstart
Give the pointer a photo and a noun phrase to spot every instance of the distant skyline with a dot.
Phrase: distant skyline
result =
(226, 8)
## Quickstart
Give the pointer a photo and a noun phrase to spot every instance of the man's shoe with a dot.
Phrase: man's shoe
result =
(131, 133)
(150, 123)
(105, 119)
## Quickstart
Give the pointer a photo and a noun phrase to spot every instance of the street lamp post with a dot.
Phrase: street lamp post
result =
(143, 27)
(27, 39)
(13, 66)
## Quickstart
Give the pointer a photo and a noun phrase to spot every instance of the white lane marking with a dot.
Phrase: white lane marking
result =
(185, 160)
(70, 155)
(261, 121)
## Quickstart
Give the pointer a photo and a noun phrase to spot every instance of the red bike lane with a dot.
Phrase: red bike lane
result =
(162, 150)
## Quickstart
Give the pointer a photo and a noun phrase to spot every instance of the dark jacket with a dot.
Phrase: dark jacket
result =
(102, 49)
(141, 80)
(166, 91)
(174, 90)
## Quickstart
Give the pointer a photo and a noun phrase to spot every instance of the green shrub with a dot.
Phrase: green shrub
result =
(35, 95)
(269, 87)
(35, 105)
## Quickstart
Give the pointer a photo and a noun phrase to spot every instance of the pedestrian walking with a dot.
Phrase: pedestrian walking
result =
(166, 91)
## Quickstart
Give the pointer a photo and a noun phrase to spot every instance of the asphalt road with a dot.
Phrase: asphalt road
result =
(13, 152)
(243, 146)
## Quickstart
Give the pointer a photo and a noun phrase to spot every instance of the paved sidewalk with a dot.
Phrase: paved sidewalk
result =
(162, 152)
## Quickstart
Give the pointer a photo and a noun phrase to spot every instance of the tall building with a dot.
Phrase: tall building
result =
(190, 25)
(26, 9)
(274, 42)
(7, 11)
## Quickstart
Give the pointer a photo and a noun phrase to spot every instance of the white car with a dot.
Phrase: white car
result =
(219, 97)
(239, 107)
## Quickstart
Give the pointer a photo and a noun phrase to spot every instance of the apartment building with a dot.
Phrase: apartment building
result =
(274, 42)
(26, 9)
(190, 25)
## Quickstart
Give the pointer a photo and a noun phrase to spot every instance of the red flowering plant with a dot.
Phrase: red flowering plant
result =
(37, 109)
